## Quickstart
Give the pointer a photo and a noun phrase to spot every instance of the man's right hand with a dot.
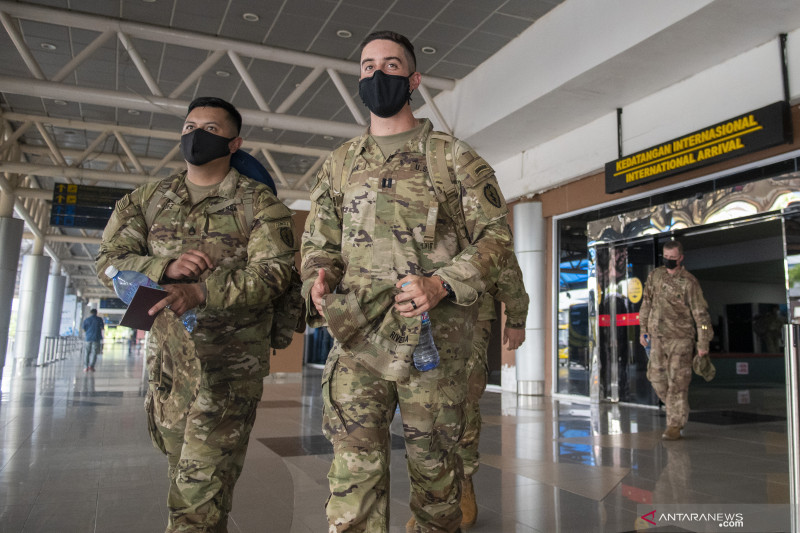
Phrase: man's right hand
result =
(318, 290)
(643, 340)
(190, 265)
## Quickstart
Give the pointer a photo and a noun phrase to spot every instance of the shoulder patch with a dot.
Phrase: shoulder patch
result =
(287, 236)
(491, 194)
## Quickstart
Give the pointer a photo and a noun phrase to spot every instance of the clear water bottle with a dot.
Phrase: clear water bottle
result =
(647, 348)
(426, 356)
(127, 281)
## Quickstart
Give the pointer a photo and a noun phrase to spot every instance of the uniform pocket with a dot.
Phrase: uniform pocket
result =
(152, 428)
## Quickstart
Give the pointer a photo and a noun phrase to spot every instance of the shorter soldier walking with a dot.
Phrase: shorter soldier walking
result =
(674, 315)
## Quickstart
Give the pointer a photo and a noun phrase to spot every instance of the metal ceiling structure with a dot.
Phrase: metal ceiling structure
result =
(94, 92)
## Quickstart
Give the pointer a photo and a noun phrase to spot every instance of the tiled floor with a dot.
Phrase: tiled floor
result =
(75, 457)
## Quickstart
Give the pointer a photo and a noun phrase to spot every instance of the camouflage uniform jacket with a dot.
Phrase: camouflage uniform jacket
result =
(231, 340)
(387, 206)
(673, 306)
(511, 291)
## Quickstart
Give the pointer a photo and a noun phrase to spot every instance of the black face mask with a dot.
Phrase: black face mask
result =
(670, 263)
(199, 146)
(384, 94)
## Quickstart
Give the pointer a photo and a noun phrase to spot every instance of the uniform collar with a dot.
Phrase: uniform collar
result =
(227, 187)
(417, 141)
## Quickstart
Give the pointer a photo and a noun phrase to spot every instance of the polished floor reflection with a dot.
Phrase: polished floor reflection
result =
(75, 457)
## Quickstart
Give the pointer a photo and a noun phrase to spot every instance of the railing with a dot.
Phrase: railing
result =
(59, 348)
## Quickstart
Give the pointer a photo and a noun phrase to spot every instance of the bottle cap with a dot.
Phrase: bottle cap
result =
(112, 271)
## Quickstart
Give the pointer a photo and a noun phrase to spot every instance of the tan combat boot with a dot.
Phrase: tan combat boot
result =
(672, 433)
(411, 525)
(469, 509)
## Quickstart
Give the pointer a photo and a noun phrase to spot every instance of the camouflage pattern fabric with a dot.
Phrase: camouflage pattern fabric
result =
(510, 290)
(387, 206)
(670, 372)
(206, 452)
(478, 377)
(675, 315)
(229, 348)
(357, 410)
(673, 306)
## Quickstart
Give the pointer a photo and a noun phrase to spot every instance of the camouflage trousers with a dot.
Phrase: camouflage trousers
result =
(670, 372)
(358, 408)
(205, 453)
(478, 377)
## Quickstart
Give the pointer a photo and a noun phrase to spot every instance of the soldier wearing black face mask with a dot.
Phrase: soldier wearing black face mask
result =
(378, 235)
(221, 244)
(674, 319)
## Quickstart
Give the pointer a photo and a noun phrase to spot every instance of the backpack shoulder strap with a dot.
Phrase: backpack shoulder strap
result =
(165, 190)
(342, 162)
(440, 159)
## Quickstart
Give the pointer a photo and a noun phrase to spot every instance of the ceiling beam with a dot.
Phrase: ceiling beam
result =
(155, 133)
(54, 171)
(178, 37)
(168, 106)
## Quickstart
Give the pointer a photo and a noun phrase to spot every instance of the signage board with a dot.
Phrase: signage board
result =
(83, 206)
(747, 133)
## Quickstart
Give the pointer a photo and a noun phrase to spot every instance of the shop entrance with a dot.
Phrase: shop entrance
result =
(741, 270)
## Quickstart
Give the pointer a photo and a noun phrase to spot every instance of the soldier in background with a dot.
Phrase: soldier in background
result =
(377, 252)
(511, 291)
(204, 387)
(674, 315)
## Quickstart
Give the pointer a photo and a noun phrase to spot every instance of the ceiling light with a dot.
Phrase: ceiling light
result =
(47, 46)
(327, 137)
(70, 132)
(133, 111)
(266, 128)
(344, 34)
(428, 50)
(59, 102)
(223, 73)
(251, 17)
(149, 1)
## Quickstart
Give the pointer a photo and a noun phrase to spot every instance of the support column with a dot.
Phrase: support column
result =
(10, 242)
(53, 306)
(529, 245)
(31, 308)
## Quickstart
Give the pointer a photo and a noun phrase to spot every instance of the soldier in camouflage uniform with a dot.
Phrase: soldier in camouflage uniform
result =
(378, 251)
(511, 291)
(674, 315)
(205, 385)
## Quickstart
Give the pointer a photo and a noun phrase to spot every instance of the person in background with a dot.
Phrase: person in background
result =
(93, 340)
(674, 318)
(511, 291)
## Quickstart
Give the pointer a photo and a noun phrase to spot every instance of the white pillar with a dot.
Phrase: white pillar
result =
(10, 241)
(53, 304)
(32, 285)
(529, 245)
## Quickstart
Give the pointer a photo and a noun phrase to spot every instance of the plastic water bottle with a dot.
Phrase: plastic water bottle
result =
(426, 356)
(647, 348)
(127, 281)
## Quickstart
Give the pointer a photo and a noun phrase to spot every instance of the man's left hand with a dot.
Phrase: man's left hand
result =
(513, 338)
(418, 294)
(181, 298)
(702, 353)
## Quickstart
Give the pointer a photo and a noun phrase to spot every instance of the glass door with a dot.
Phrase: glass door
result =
(621, 271)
